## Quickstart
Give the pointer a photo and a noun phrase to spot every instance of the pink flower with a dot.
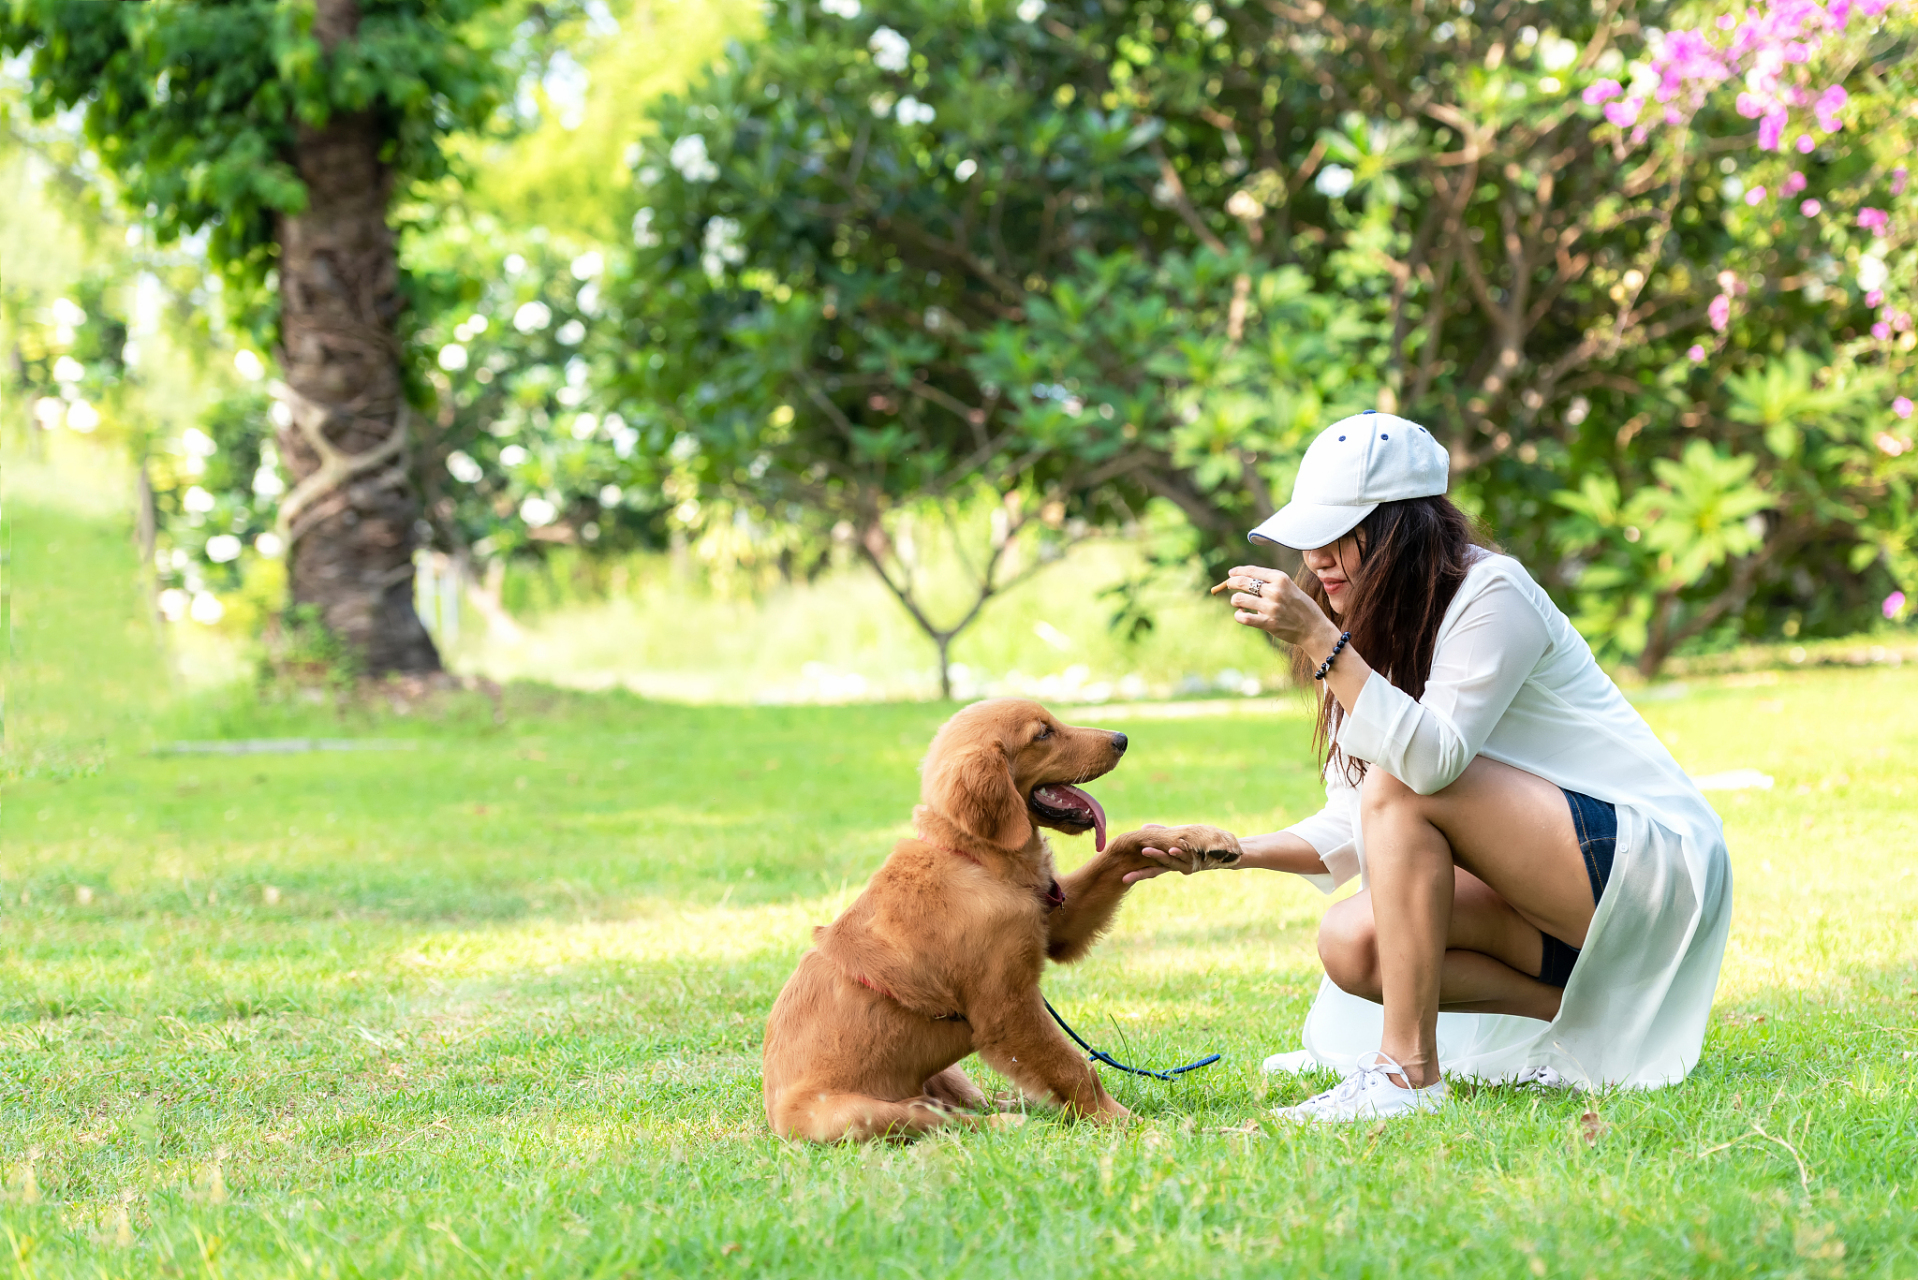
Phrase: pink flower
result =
(1881, 331)
(1726, 21)
(1902, 406)
(1755, 195)
(1806, 144)
(1900, 321)
(1873, 219)
(1829, 103)
(1697, 354)
(1602, 91)
(1771, 131)
(1794, 183)
(1894, 605)
(1719, 312)
(1898, 176)
(1811, 208)
(1875, 298)
(1623, 113)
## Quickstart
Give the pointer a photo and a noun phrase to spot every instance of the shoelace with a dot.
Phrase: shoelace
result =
(1353, 1085)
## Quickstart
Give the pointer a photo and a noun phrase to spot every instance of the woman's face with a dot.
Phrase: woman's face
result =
(1336, 564)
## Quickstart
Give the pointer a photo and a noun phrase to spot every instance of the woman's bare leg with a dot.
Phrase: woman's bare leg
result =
(1512, 830)
(1490, 954)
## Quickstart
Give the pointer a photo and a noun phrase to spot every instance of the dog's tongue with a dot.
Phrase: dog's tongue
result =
(1064, 796)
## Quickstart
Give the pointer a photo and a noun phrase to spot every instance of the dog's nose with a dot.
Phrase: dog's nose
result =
(1118, 743)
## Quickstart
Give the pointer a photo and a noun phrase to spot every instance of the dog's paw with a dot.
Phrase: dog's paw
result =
(1209, 847)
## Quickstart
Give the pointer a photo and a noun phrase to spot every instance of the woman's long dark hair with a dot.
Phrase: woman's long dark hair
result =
(1413, 555)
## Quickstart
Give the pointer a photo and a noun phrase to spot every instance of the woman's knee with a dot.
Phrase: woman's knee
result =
(1381, 793)
(1349, 948)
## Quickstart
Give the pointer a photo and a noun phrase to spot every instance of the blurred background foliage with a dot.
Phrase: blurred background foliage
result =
(712, 304)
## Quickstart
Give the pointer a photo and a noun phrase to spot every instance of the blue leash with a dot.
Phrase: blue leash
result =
(1097, 1055)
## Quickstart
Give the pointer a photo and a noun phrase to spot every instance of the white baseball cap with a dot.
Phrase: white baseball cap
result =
(1354, 465)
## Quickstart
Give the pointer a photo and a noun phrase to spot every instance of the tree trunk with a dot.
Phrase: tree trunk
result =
(350, 518)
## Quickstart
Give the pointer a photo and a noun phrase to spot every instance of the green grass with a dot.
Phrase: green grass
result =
(491, 1005)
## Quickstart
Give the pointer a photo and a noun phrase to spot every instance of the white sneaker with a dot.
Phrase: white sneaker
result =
(1368, 1094)
(1543, 1077)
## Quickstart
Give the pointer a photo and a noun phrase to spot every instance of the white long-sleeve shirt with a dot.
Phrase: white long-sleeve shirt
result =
(1513, 681)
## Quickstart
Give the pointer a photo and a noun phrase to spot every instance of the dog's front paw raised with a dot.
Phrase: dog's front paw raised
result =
(1208, 847)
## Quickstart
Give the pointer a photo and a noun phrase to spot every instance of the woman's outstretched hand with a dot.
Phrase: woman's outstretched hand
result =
(1185, 850)
(1274, 603)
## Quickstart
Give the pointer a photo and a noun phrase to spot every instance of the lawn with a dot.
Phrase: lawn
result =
(488, 1002)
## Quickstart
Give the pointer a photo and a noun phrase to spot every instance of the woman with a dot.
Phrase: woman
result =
(1544, 893)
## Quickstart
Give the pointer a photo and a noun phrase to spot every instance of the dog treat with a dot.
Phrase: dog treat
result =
(1221, 587)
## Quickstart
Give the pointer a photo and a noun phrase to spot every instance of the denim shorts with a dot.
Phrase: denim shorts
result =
(1596, 824)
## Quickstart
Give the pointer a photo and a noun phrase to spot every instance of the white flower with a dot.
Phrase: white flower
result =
(537, 511)
(610, 495)
(462, 468)
(198, 443)
(267, 482)
(720, 247)
(585, 426)
(269, 545)
(68, 312)
(452, 357)
(1872, 273)
(248, 365)
(644, 236)
(588, 264)
(1029, 10)
(847, 9)
(67, 369)
(206, 608)
(1333, 181)
(965, 169)
(82, 416)
(570, 333)
(912, 111)
(532, 317)
(512, 455)
(197, 500)
(890, 50)
(173, 603)
(689, 157)
(222, 547)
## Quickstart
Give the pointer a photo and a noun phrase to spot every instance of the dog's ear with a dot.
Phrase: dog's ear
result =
(972, 785)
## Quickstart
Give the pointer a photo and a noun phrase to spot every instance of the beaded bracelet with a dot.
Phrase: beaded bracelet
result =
(1327, 664)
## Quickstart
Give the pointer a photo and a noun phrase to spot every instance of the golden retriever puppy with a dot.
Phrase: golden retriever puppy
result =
(940, 956)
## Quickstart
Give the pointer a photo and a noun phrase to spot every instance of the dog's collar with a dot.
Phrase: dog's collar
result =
(973, 858)
(1053, 895)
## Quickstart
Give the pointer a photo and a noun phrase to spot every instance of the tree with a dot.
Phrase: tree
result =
(283, 133)
(1141, 250)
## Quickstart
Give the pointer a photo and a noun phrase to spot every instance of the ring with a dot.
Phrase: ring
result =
(1257, 588)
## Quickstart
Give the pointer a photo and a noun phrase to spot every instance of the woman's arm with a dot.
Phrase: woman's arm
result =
(1278, 851)
(1281, 851)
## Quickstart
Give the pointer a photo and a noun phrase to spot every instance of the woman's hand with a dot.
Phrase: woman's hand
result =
(1273, 602)
(1186, 850)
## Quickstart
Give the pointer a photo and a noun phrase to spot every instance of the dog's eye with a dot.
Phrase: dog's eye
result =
(1045, 731)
